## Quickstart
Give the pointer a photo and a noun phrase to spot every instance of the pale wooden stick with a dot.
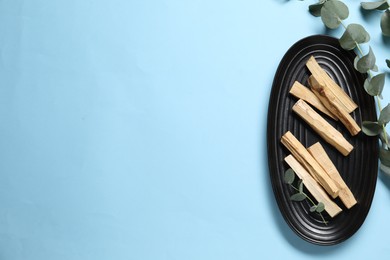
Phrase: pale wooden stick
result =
(345, 194)
(311, 165)
(322, 127)
(329, 101)
(313, 187)
(324, 79)
(300, 91)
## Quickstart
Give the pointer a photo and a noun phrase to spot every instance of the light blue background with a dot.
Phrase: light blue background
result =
(137, 130)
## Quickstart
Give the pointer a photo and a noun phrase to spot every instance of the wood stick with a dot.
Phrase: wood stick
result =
(313, 187)
(310, 164)
(324, 79)
(300, 91)
(345, 194)
(322, 127)
(329, 101)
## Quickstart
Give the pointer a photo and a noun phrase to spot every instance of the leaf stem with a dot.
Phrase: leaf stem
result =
(378, 101)
(323, 219)
(292, 186)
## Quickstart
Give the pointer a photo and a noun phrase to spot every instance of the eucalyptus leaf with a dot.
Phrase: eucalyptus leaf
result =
(313, 208)
(384, 156)
(298, 197)
(384, 116)
(353, 35)
(300, 186)
(355, 62)
(367, 62)
(315, 9)
(378, 5)
(320, 207)
(388, 63)
(371, 128)
(289, 176)
(385, 23)
(333, 12)
(383, 138)
(374, 86)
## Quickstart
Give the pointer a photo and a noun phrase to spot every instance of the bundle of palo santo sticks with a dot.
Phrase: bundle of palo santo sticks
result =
(313, 165)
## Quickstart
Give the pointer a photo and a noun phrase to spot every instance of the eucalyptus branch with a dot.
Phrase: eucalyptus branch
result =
(304, 194)
(383, 6)
(289, 177)
(370, 75)
(333, 13)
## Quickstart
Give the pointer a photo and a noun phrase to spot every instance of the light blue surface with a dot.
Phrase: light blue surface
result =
(137, 130)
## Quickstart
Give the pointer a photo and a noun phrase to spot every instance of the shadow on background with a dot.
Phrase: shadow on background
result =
(385, 179)
(386, 41)
(370, 16)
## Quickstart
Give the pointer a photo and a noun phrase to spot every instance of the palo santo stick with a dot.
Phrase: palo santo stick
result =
(313, 187)
(322, 127)
(300, 91)
(311, 165)
(324, 79)
(345, 194)
(329, 101)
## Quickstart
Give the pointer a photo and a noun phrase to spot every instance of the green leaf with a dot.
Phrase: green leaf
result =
(379, 5)
(320, 207)
(374, 86)
(313, 208)
(385, 23)
(388, 63)
(300, 186)
(367, 62)
(384, 156)
(385, 169)
(355, 62)
(298, 197)
(353, 35)
(333, 12)
(315, 9)
(382, 136)
(384, 116)
(371, 128)
(289, 176)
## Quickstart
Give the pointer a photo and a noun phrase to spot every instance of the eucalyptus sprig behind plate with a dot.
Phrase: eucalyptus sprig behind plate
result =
(333, 13)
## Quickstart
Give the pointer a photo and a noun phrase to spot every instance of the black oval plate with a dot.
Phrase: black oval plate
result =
(359, 169)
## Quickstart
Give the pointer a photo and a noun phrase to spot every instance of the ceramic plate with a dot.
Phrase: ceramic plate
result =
(359, 169)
